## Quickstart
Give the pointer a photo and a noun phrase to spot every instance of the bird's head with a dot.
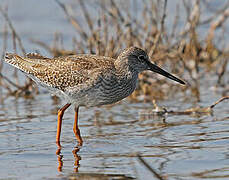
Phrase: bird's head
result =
(137, 60)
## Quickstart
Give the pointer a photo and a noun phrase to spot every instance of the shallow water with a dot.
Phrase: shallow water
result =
(188, 147)
(176, 146)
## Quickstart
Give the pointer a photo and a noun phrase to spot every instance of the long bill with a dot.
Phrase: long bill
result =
(158, 70)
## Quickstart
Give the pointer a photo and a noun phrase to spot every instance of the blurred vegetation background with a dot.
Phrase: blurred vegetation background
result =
(188, 42)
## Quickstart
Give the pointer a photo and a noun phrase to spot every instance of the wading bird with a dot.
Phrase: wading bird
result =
(87, 80)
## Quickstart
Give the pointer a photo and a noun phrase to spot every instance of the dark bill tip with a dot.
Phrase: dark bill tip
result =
(158, 70)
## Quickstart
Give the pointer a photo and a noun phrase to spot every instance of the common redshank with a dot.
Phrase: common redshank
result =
(86, 80)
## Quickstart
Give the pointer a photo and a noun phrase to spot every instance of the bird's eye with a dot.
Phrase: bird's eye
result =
(141, 57)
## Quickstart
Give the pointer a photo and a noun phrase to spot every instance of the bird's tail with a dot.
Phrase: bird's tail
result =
(19, 62)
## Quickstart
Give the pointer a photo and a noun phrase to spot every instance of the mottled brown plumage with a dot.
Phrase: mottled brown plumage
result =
(87, 80)
(60, 72)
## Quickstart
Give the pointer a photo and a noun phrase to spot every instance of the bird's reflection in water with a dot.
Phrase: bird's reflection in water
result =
(77, 159)
(60, 158)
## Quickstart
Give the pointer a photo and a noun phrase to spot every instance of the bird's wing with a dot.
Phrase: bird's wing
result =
(62, 72)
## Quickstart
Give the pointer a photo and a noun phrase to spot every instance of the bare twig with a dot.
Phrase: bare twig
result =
(220, 100)
(14, 33)
(5, 36)
(163, 18)
(162, 31)
(158, 176)
(118, 13)
(10, 82)
(73, 21)
(222, 71)
(217, 23)
(86, 15)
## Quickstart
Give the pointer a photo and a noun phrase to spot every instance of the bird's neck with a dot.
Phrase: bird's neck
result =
(123, 68)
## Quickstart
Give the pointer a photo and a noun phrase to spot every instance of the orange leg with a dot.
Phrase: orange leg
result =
(59, 123)
(76, 128)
